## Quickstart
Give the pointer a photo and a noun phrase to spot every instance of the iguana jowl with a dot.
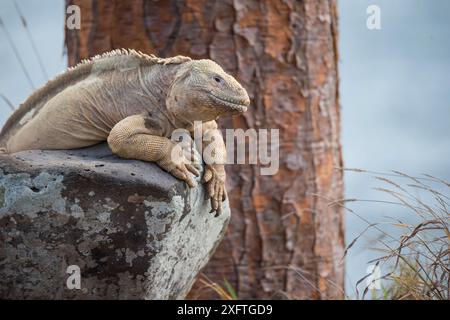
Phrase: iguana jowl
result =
(134, 101)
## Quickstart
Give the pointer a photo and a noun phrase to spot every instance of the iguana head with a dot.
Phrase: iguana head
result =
(202, 90)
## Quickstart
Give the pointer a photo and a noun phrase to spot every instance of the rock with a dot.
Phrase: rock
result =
(134, 231)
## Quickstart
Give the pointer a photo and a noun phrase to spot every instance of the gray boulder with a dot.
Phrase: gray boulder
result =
(132, 230)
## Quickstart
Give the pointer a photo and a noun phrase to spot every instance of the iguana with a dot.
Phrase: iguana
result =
(134, 101)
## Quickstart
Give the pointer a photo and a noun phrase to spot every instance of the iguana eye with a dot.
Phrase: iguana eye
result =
(218, 79)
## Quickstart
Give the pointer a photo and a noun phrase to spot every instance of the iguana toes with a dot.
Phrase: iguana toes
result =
(134, 101)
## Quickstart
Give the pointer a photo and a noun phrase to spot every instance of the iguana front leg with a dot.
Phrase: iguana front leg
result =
(138, 137)
(214, 175)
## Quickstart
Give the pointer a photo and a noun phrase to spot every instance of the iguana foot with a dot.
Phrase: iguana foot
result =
(214, 178)
(181, 167)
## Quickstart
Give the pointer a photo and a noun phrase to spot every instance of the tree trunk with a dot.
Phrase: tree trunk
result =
(284, 238)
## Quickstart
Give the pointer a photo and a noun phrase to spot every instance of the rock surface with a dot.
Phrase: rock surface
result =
(134, 231)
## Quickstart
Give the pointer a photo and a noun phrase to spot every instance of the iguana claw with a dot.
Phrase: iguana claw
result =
(214, 178)
(176, 163)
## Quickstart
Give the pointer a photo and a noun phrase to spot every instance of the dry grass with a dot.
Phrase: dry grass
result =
(419, 260)
(224, 291)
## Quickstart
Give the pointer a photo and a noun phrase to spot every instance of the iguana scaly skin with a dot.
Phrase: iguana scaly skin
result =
(134, 101)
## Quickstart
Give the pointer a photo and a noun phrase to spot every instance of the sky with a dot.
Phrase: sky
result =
(394, 88)
(395, 97)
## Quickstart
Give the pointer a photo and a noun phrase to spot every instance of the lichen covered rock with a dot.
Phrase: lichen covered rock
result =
(134, 231)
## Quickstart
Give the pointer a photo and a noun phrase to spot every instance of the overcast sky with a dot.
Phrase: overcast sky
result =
(395, 92)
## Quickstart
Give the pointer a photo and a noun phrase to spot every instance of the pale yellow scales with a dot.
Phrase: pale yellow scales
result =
(134, 101)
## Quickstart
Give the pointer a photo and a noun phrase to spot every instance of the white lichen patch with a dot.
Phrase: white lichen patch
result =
(141, 253)
(119, 253)
(76, 211)
(104, 217)
(110, 205)
(97, 220)
(27, 196)
(130, 256)
(159, 217)
(147, 203)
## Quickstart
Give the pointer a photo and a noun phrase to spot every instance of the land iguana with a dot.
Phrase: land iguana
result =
(134, 102)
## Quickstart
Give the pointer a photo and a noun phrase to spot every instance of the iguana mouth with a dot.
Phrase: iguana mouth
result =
(235, 104)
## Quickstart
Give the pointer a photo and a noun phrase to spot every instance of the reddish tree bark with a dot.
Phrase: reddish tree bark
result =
(284, 239)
